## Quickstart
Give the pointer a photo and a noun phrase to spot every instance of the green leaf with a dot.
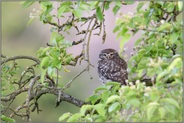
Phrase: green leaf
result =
(100, 108)
(150, 111)
(43, 74)
(26, 4)
(113, 83)
(137, 41)
(113, 98)
(171, 101)
(170, 7)
(56, 63)
(74, 118)
(7, 119)
(107, 3)
(116, 9)
(140, 5)
(44, 62)
(117, 28)
(42, 51)
(99, 13)
(125, 38)
(135, 102)
(61, 10)
(180, 5)
(30, 20)
(113, 107)
(162, 112)
(153, 104)
(46, 8)
(129, 1)
(177, 61)
(64, 116)
(164, 26)
(170, 109)
(173, 37)
(101, 88)
(123, 31)
(84, 108)
(93, 98)
(105, 95)
(77, 13)
(64, 7)
(49, 9)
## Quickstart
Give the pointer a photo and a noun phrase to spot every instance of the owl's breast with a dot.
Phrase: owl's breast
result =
(108, 66)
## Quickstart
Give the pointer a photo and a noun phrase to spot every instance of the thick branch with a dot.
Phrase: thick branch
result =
(13, 95)
(63, 96)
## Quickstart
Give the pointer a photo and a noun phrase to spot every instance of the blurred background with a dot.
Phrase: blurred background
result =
(20, 39)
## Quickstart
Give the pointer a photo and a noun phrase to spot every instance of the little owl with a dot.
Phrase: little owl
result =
(111, 67)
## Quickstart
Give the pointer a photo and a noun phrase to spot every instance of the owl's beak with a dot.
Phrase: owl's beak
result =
(108, 56)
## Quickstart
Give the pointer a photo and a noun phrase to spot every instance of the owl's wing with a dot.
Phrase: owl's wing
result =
(113, 71)
(121, 62)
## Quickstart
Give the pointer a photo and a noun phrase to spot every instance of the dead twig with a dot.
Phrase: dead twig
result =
(20, 57)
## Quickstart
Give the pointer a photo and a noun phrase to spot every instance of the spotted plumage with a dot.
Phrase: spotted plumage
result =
(111, 67)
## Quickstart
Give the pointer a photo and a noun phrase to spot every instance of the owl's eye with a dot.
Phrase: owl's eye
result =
(105, 55)
(111, 54)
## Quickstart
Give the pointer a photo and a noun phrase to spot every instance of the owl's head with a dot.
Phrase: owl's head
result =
(108, 54)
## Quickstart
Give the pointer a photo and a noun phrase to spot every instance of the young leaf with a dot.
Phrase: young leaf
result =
(162, 112)
(100, 108)
(115, 9)
(61, 10)
(129, 1)
(105, 95)
(150, 111)
(44, 62)
(125, 38)
(153, 104)
(7, 119)
(93, 98)
(84, 108)
(164, 26)
(64, 116)
(77, 13)
(43, 74)
(113, 83)
(140, 5)
(171, 101)
(74, 118)
(107, 3)
(113, 107)
(30, 21)
(135, 102)
(173, 37)
(170, 109)
(112, 98)
(170, 7)
(180, 5)
(26, 4)
(101, 88)
(117, 28)
(99, 13)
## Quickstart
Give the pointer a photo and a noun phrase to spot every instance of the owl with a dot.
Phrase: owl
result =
(111, 67)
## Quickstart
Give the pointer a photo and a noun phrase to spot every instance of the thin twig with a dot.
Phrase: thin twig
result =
(70, 82)
(20, 57)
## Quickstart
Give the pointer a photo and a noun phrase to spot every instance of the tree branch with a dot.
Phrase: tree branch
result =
(21, 57)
